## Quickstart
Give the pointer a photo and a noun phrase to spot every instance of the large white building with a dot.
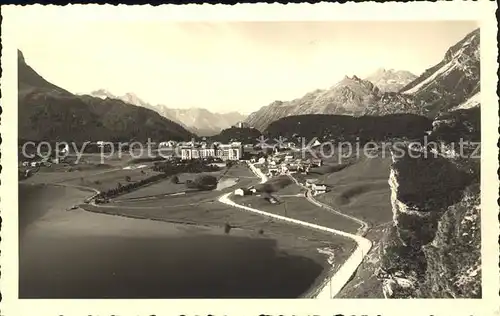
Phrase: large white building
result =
(223, 151)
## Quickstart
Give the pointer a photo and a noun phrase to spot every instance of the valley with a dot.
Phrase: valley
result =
(354, 191)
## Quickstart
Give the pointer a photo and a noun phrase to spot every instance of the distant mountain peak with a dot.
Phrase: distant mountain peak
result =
(391, 80)
(198, 120)
(454, 82)
(102, 94)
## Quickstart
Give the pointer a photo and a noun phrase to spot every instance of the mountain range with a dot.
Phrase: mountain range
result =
(200, 121)
(447, 85)
(47, 111)
(50, 113)
(390, 80)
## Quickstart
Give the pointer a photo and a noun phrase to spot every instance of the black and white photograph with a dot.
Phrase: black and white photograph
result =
(217, 159)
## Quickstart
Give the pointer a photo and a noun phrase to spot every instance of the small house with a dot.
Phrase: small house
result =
(293, 169)
(316, 162)
(284, 168)
(242, 192)
(271, 199)
(310, 182)
(272, 171)
(318, 188)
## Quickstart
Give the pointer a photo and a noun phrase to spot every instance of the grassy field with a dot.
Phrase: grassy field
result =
(239, 173)
(105, 181)
(361, 190)
(301, 209)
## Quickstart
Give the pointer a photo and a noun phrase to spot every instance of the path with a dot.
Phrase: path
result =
(364, 225)
(332, 286)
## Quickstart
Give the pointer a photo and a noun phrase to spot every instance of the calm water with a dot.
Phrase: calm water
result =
(76, 254)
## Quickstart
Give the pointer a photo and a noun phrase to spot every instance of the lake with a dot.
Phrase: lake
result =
(77, 254)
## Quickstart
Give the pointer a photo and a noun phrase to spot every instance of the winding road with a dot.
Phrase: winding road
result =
(334, 285)
(364, 226)
(331, 287)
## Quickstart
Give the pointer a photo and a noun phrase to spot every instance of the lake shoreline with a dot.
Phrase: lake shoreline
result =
(56, 218)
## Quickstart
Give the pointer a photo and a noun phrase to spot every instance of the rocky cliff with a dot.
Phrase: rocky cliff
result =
(432, 248)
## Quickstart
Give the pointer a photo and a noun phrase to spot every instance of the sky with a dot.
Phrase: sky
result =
(226, 66)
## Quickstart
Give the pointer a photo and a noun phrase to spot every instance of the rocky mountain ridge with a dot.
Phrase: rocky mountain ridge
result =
(442, 87)
(198, 120)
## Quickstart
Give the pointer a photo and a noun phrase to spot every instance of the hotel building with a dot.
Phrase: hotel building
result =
(232, 151)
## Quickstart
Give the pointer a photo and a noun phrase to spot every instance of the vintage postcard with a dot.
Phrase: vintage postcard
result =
(267, 159)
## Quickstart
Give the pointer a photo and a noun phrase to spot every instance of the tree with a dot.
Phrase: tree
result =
(128, 178)
(227, 228)
(202, 182)
(206, 182)
(175, 179)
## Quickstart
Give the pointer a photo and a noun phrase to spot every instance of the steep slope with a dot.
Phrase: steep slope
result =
(246, 134)
(199, 121)
(48, 112)
(440, 88)
(390, 80)
(453, 80)
(432, 247)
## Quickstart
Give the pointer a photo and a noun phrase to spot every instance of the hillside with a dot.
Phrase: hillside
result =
(247, 135)
(447, 85)
(199, 121)
(48, 112)
(349, 128)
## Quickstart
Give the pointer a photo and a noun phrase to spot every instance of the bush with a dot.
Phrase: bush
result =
(203, 182)
(175, 179)
(128, 178)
